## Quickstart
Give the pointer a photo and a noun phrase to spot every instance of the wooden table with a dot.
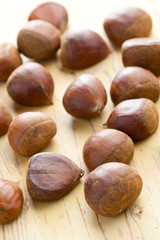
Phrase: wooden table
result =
(71, 218)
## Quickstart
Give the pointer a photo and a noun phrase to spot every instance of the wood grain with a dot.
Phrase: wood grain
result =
(70, 217)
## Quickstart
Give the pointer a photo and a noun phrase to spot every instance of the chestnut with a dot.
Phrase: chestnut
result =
(50, 176)
(5, 118)
(31, 84)
(9, 60)
(107, 145)
(85, 97)
(82, 48)
(38, 39)
(51, 12)
(126, 23)
(134, 82)
(11, 201)
(138, 118)
(29, 132)
(142, 52)
(111, 188)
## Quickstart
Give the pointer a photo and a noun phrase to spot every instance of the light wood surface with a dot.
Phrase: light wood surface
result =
(71, 218)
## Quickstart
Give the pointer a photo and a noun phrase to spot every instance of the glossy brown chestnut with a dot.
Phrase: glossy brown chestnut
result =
(138, 118)
(11, 201)
(29, 132)
(108, 145)
(31, 84)
(50, 176)
(85, 97)
(111, 188)
(130, 22)
(134, 82)
(39, 40)
(9, 60)
(5, 118)
(51, 12)
(82, 49)
(142, 52)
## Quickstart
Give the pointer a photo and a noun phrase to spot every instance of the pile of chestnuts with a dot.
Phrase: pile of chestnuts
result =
(112, 185)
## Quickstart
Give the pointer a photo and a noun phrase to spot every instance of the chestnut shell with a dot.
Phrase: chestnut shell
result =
(31, 84)
(134, 82)
(107, 145)
(85, 97)
(138, 118)
(111, 188)
(50, 176)
(9, 60)
(82, 48)
(11, 201)
(127, 23)
(5, 118)
(142, 52)
(38, 39)
(51, 12)
(29, 132)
